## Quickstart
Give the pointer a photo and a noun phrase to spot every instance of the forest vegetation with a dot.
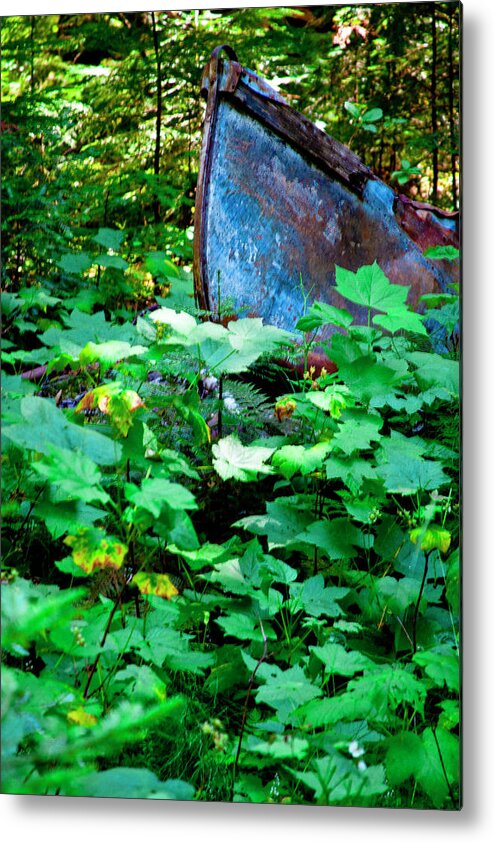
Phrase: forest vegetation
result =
(222, 582)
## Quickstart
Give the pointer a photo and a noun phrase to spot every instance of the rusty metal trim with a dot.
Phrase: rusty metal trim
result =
(214, 72)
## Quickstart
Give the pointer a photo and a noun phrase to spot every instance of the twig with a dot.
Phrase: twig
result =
(416, 612)
(450, 789)
(247, 697)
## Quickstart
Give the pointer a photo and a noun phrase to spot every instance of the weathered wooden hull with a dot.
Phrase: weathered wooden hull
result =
(279, 203)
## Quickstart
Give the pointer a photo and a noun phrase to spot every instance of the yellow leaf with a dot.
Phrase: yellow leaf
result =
(156, 584)
(432, 538)
(80, 717)
(93, 550)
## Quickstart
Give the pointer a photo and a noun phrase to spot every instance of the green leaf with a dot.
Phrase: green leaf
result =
(109, 238)
(75, 264)
(433, 537)
(316, 600)
(370, 287)
(324, 314)
(243, 626)
(434, 370)
(337, 661)
(357, 430)
(160, 265)
(336, 780)
(44, 425)
(401, 319)
(109, 352)
(60, 518)
(111, 261)
(372, 115)
(287, 691)
(404, 476)
(283, 521)
(442, 665)
(441, 765)
(129, 783)
(141, 683)
(442, 253)
(368, 378)
(293, 458)
(74, 475)
(405, 756)
(28, 611)
(353, 109)
(336, 538)
(233, 460)
(154, 494)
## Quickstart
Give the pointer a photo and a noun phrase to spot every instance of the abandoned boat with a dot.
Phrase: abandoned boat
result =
(279, 203)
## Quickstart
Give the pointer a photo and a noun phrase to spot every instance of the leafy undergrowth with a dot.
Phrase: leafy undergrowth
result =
(215, 593)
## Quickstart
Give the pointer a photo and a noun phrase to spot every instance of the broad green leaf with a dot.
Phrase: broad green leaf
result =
(287, 692)
(29, 610)
(353, 109)
(336, 538)
(60, 518)
(405, 476)
(368, 378)
(352, 471)
(180, 324)
(75, 264)
(108, 353)
(442, 253)
(370, 288)
(315, 599)
(334, 399)
(45, 425)
(397, 594)
(337, 661)
(154, 494)
(442, 665)
(206, 556)
(233, 460)
(111, 261)
(434, 370)
(282, 523)
(293, 458)
(441, 765)
(357, 430)
(243, 626)
(109, 238)
(160, 265)
(324, 314)
(285, 747)
(129, 783)
(336, 780)
(372, 115)
(37, 297)
(74, 475)
(405, 756)
(401, 319)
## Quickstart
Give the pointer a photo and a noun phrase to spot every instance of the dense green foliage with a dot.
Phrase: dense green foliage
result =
(215, 585)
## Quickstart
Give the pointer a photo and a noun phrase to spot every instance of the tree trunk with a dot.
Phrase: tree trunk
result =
(159, 107)
(435, 156)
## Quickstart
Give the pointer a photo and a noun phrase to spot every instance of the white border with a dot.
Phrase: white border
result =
(73, 819)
